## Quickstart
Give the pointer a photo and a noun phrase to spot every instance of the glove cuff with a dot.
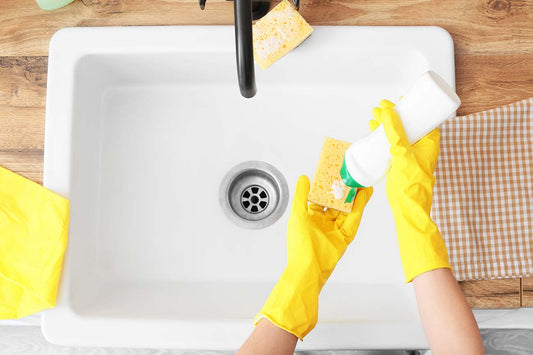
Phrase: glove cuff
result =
(422, 250)
(292, 304)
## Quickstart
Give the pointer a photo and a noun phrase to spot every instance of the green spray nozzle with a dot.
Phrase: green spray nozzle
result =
(351, 195)
(349, 181)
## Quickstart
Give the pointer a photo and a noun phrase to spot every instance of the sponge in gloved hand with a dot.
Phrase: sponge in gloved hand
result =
(328, 189)
(316, 240)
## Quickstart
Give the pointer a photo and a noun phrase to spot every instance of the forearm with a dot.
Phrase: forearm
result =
(447, 319)
(267, 339)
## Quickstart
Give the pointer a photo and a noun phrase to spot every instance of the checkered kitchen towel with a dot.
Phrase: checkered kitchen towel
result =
(483, 196)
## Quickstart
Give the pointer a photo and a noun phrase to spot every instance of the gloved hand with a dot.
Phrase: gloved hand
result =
(316, 240)
(410, 191)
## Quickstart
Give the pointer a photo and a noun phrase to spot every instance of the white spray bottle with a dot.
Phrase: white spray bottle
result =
(426, 105)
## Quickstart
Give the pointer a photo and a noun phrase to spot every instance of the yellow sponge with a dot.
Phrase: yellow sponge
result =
(328, 189)
(278, 33)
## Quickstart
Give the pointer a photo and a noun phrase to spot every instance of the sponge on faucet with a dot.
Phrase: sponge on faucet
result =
(278, 33)
(328, 189)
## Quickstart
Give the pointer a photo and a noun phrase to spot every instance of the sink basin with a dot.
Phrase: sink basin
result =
(142, 127)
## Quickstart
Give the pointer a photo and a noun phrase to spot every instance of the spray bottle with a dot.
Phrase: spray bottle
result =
(426, 105)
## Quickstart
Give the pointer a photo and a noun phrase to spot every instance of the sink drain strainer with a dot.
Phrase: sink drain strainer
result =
(254, 199)
(254, 194)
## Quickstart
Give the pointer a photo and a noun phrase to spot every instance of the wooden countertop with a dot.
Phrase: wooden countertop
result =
(493, 46)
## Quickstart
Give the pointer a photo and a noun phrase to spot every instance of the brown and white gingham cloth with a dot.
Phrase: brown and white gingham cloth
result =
(483, 196)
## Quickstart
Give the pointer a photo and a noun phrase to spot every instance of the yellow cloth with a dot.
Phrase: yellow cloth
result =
(316, 240)
(410, 192)
(33, 237)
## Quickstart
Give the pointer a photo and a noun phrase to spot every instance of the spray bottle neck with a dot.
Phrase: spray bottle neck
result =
(349, 181)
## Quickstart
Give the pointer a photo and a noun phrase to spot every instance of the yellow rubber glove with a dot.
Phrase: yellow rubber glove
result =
(316, 240)
(33, 238)
(410, 191)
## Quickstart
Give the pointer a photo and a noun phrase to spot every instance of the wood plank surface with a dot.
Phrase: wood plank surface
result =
(494, 65)
(507, 341)
(527, 292)
(504, 293)
(28, 163)
(28, 340)
(22, 107)
(488, 81)
(478, 27)
(22, 102)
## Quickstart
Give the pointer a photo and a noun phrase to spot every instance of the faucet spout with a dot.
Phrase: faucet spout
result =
(245, 12)
(244, 47)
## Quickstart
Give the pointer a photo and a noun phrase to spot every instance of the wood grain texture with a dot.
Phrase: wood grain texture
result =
(25, 29)
(503, 293)
(28, 163)
(476, 25)
(22, 102)
(488, 81)
(507, 341)
(527, 292)
(22, 107)
(28, 340)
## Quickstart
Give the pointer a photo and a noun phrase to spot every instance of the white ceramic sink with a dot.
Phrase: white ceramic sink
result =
(142, 124)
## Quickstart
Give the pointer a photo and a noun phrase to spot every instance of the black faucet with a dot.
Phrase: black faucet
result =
(245, 12)
(244, 47)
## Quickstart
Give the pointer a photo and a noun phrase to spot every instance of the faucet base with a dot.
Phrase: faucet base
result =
(260, 9)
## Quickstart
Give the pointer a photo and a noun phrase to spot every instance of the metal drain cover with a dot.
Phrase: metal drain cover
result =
(254, 199)
(254, 194)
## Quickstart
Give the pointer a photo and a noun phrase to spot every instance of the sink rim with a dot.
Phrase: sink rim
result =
(66, 48)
